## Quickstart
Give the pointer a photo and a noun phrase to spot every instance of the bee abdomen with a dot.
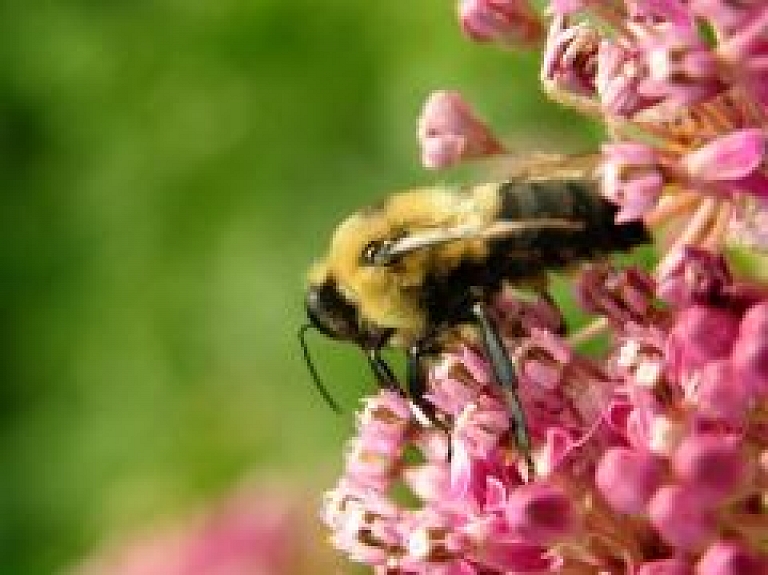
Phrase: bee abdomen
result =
(578, 201)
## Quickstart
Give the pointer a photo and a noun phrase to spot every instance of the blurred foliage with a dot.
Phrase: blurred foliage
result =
(169, 168)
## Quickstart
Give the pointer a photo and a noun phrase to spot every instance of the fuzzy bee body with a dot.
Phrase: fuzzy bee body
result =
(524, 257)
(429, 289)
(413, 271)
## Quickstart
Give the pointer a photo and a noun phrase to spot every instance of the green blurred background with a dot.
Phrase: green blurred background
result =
(169, 168)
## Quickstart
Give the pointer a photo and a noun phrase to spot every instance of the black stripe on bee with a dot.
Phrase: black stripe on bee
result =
(527, 255)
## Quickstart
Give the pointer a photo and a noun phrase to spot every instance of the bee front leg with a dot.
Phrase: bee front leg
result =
(385, 377)
(504, 370)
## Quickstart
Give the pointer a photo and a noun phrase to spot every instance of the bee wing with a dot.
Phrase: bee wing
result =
(542, 165)
(437, 237)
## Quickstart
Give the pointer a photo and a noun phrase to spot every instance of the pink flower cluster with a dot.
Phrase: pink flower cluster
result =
(650, 460)
(258, 530)
(681, 85)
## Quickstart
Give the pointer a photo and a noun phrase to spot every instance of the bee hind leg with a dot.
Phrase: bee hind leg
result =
(504, 370)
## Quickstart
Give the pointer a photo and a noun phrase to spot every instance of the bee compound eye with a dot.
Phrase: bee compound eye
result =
(371, 252)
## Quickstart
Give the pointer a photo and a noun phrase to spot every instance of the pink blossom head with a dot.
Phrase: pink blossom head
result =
(731, 558)
(682, 70)
(449, 132)
(508, 22)
(623, 297)
(628, 478)
(570, 57)
(697, 276)
(711, 465)
(631, 178)
(539, 513)
(258, 529)
(701, 334)
(731, 163)
(674, 566)
(682, 517)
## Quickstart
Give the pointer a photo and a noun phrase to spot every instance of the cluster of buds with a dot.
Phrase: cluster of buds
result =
(651, 459)
(681, 86)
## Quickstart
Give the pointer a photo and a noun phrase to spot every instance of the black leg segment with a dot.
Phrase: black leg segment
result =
(504, 370)
(384, 375)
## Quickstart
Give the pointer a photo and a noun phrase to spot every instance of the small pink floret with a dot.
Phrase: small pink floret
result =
(731, 558)
(510, 22)
(682, 517)
(539, 513)
(730, 157)
(666, 567)
(628, 478)
(449, 132)
(712, 465)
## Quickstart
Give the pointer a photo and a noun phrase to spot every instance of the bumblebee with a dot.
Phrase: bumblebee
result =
(416, 271)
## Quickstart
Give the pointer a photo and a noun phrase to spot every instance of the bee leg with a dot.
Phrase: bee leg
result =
(416, 377)
(544, 294)
(504, 370)
(384, 375)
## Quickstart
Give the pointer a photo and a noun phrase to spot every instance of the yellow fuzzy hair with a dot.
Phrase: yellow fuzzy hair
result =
(390, 296)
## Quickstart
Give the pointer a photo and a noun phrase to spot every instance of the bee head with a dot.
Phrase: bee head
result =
(330, 313)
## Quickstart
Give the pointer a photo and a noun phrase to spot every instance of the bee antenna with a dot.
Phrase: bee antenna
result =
(313, 372)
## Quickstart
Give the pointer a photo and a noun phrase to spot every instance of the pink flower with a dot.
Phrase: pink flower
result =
(731, 163)
(711, 465)
(508, 22)
(449, 132)
(631, 178)
(731, 558)
(701, 334)
(674, 566)
(623, 297)
(539, 513)
(667, 423)
(620, 71)
(721, 395)
(257, 530)
(682, 518)
(681, 72)
(570, 57)
(698, 276)
(639, 431)
(628, 478)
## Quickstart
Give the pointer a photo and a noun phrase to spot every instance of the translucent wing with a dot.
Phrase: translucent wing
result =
(388, 252)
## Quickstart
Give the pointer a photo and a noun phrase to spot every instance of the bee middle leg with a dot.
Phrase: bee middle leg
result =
(504, 370)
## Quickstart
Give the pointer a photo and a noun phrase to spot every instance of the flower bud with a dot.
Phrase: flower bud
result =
(628, 478)
(570, 58)
(509, 22)
(731, 558)
(666, 567)
(729, 159)
(750, 363)
(721, 395)
(540, 513)
(682, 517)
(701, 334)
(697, 276)
(449, 132)
(710, 464)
